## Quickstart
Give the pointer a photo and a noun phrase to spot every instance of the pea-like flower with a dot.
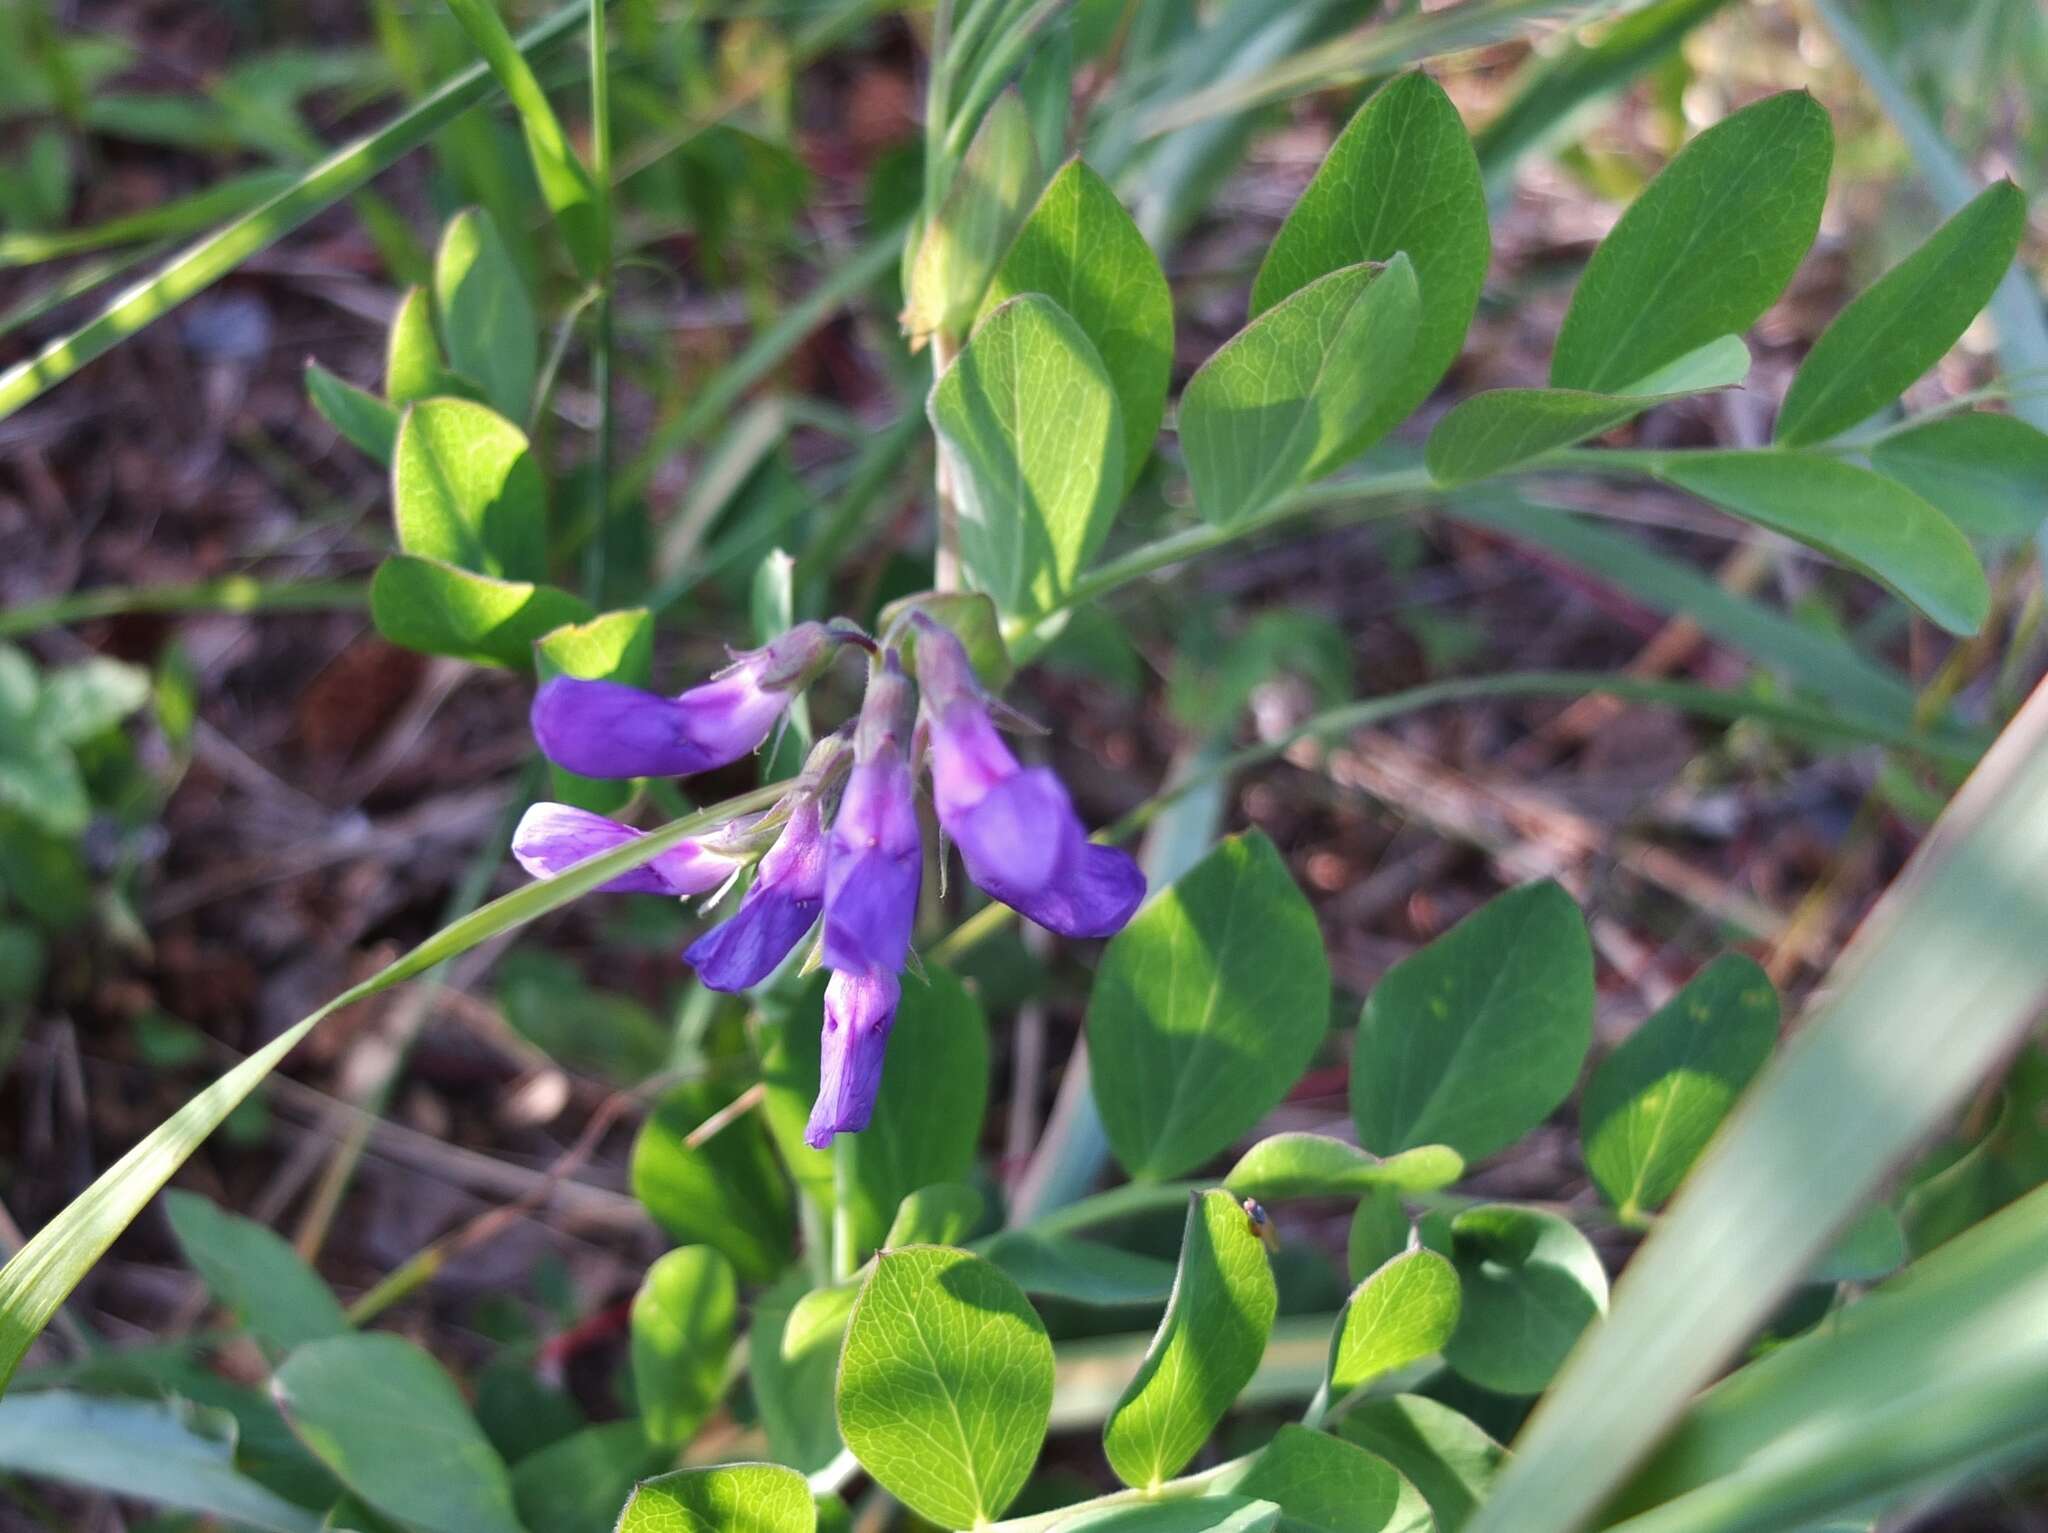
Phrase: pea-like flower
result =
(1015, 826)
(552, 837)
(874, 861)
(787, 893)
(859, 1011)
(606, 729)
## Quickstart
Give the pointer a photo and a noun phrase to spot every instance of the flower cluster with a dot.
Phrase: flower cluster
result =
(846, 839)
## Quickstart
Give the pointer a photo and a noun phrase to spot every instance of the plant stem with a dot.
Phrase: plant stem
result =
(844, 1256)
(946, 554)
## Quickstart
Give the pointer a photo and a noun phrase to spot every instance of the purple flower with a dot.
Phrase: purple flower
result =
(605, 729)
(1016, 827)
(875, 861)
(788, 891)
(859, 1010)
(552, 837)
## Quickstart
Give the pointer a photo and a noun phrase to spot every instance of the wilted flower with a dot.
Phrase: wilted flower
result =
(859, 1011)
(605, 729)
(874, 862)
(1015, 826)
(552, 837)
(787, 894)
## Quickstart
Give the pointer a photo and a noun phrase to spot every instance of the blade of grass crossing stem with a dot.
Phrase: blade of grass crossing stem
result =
(200, 265)
(43, 1273)
(1945, 975)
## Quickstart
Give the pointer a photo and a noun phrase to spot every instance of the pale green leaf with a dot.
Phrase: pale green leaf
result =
(255, 1273)
(486, 316)
(1859, 517)
(1079, 248)
(1032, 440)
(945, 1386)
(682, 1327)
(1986, 473)
(89, 698)
(365, 421)
(727, 1193)
(578, 1484)
(1313, 1165)
(1401, 1314)
(1445, 1456)
(1720, 364)
(1326, 1485)
(413, 365)
(1501, 429)
(1201, 1514)
(944, 1214)
(1206, 1348)
(965, 239)
(1401, 178)
(433, 607)
(1705, 249)
(1471, 1041)
(1905, 321)
(393, 1427)
(465, 490)
(1206, 1008)
(1531, 1283)
(729, 1498)
(1653, 1104)
(1299, 390)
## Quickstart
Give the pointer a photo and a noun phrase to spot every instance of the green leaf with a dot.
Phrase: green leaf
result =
(1500, 429)
(1905, 321)
(1314, 1166)
(1202, 1514)
(1080, 249)
(1986, 473)
(488, 319)
(1705, 249)
(1859, 517)
(413, 367)
(1471, 1041)
(1299, 390)
(1531, 1284)
(727, 1193)
(392, 1426)
(960, 247)
(564, 181)
(89, 698)
(166, 1452)
(1871, 1248)
(255, 1273)
(37, 774)
(1379, 1232)
(1206, 1349)
(1402, 1313)
(1082, 1271)
(1324, 1484)
(365, 421)
(974, 621)
(578, 1484)
(1032, 440)
(1720, 364)
(613, 646)
(465, 490)
(1206, 1009)
(941, 1215)
(928, 1113)
(945, 1386)
(1402, 177)
(1653, 1103)
(682, 1327)
(792, 1379)
(1445, 1456)
(435, 608)
(731, 1498)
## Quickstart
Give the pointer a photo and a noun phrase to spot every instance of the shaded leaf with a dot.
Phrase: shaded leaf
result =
(255, 1273)
(437, 609)
(682, 1326)
(486, 316)
(1531, 1283)
(727, 1193)
(366, 422)
(944, 1214)
(1986, 473)
(1082, 1271)
(1447, 1457)
(578, 1484)
(1329, 1485)
(792, 1384)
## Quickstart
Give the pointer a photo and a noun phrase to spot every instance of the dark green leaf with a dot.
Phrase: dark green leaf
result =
(437, 609)
(1531, 1284)
(945, 1386)
(1083, 1271)
(1032, 437)
(1313, 1165)
(1473, 1040)
(944, 1214)
(1653, 1103)
(394, 1429)
(1330, 1486)
(1299, 390)
(792, 1380)
(1986, 473)
(1705, 249)
(1401, 1314)
(727, 1193)
(465, 490)
(1206, 1008)
(1402, 177)
(730, 1498)
(364, 420)
(1379, 1232)
(1860, 517)
(1904, 323)
(485, 314)
(577, 1485)
(682, 1330)
(255, 1273)
(1207, 1347)
(1443, 1455)
(1079, 247)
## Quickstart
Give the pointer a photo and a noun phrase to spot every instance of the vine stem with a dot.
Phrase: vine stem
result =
(946, 555)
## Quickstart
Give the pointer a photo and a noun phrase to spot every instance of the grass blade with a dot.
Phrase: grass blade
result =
(200, 265)
(1942, 978)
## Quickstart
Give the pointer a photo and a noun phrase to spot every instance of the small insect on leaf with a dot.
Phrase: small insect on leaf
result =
(1262, 1225)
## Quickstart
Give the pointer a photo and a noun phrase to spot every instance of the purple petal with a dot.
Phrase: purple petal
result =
(859, 1010)
(552, 837)
(968, 758)
(742, 951)
(1018, 833)
(604, 729)
(870, 904)
(1094, 894)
